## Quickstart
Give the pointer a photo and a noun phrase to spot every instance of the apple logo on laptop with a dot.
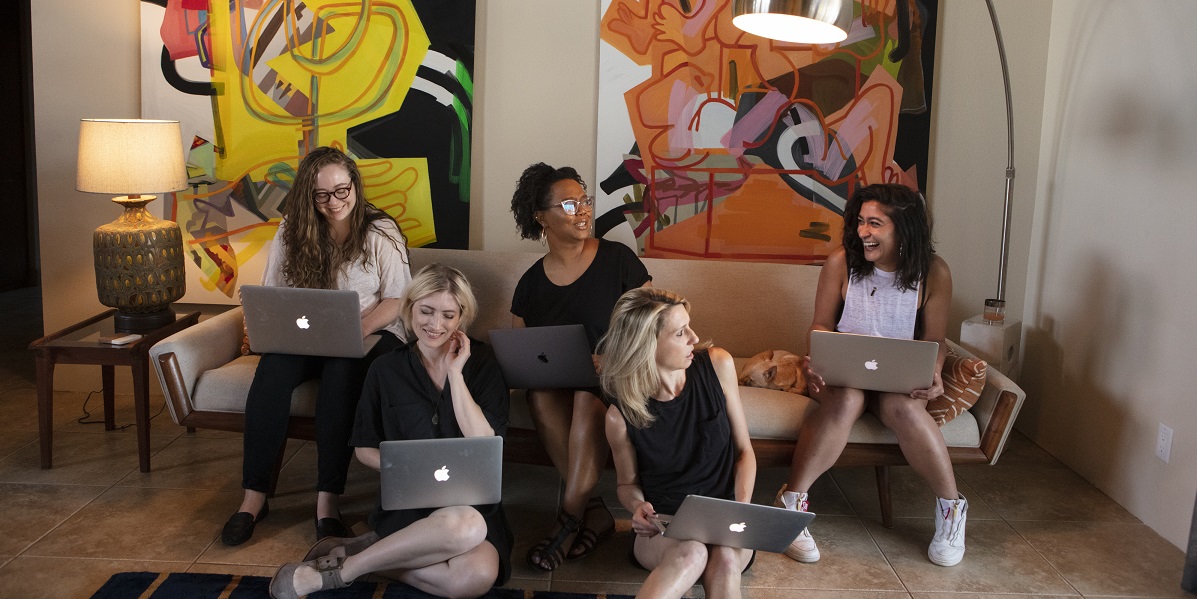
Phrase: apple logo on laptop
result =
(871, 365)
(442, 474)
(302, 322)
(739, 527)
(543, 358)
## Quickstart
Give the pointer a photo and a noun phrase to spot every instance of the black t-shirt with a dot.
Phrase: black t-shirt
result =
(398, 403)
(688, 448)
(587, 301)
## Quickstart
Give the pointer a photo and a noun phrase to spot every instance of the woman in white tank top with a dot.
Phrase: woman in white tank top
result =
(885, 281)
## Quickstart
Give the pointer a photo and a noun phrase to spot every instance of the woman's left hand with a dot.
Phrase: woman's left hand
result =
(459, 351)
(935, 390)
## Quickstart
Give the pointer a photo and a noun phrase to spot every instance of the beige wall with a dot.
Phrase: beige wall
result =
(1099, 294)
(1110, 298)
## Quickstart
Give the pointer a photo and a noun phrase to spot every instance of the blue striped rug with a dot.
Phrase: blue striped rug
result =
(188, 585)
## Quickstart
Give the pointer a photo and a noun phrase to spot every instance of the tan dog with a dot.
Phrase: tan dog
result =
(774, 369)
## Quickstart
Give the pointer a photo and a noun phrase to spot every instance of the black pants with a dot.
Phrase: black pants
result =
(268, 409)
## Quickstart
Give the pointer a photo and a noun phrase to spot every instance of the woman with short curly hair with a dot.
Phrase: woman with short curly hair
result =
(330, 237)
(576, 282)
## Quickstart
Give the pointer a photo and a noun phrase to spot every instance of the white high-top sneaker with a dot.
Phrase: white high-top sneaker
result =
(947, 548)
(802, 548)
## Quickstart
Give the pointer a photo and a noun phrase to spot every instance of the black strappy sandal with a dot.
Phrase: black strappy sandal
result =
(587, 538)
(547, 554)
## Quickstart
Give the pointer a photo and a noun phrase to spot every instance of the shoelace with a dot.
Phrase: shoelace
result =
(953, 515)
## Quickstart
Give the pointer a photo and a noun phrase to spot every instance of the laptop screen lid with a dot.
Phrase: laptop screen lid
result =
(735, 524)
(306, 322)
(873, 363)
(553, 357)
(432, 473)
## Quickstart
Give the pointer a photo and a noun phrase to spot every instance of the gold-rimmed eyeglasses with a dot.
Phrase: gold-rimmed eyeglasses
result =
(341, 193)
(571, 206)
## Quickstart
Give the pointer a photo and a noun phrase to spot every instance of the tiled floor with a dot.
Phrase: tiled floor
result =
(1036, 527)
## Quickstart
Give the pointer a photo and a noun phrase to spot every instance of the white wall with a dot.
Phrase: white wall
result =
(1110, 293)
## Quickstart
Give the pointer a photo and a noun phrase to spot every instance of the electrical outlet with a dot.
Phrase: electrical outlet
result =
(1163, 443)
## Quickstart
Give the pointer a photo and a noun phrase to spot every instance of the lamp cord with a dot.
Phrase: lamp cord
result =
(84, 418)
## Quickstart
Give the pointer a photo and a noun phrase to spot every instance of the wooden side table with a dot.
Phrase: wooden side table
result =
(79, 344)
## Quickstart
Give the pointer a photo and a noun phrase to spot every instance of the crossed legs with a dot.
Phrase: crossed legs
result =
(445, 554)
(677, 565)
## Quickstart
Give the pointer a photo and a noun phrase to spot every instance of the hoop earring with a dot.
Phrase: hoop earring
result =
(543, 235)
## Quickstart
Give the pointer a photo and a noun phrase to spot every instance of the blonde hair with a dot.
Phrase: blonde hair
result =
(433, 279)
(629, 350)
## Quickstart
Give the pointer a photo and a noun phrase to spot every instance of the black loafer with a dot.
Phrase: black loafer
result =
(331, 527)
(240, 526)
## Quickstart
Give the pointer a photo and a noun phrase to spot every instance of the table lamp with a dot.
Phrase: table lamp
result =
(139, 258)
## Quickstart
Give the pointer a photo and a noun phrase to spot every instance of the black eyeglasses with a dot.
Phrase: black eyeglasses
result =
(341, 193)
(571, 206)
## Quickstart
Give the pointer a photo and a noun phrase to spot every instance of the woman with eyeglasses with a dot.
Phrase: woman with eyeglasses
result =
(577, 282)
(330, 237)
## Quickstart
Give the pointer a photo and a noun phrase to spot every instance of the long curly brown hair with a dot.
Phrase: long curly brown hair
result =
(312, 258)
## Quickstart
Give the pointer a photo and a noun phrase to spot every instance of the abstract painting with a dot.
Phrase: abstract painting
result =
(256, 84)
(717, 144)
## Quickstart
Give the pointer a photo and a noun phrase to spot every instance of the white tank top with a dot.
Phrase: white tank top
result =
(875, 306)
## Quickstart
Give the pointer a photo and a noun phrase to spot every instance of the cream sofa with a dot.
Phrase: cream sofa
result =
(743, 307)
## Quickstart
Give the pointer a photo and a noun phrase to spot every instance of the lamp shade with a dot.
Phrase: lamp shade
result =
(797, 21)
(130, 156)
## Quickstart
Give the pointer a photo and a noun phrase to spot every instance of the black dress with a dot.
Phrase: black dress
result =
(688, 448)
(399, 402)
(587, 301)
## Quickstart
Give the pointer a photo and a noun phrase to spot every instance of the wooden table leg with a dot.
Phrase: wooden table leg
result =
(141, 405)
(109, 382)
(45, 407)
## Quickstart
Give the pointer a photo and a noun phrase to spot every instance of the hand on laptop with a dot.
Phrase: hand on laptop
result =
(814, 382)
(935, 390)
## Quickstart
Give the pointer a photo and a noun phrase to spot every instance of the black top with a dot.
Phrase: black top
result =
(398, 403)
(587, 301)
(688, 448)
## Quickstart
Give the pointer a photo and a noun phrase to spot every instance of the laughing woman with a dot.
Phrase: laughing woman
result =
(330, 238)
(440, 385)
(577, 282)
(677, 428)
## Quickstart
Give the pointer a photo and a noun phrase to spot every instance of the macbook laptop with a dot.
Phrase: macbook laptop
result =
(873, 363)
(308, 322)
(735, 524)
(431, 473)
(556, 357)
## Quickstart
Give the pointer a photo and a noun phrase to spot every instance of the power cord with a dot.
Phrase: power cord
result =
(84, 418)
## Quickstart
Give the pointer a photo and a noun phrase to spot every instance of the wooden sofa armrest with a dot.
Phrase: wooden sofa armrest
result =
(180, 359)
(996, 409)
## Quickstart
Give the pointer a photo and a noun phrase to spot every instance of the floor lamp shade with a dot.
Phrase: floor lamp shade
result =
(138, 257)
(797, 21)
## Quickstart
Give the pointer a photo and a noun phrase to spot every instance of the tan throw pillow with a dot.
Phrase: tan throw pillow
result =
(963, 380)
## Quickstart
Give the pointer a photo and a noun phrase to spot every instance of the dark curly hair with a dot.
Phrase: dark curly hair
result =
(312, 259)
(912, 227)
(533, 193)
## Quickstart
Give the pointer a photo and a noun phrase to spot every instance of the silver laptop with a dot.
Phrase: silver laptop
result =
(735, 524)
(431, 473)
(555, 357)
(873, 363)
(307, 322)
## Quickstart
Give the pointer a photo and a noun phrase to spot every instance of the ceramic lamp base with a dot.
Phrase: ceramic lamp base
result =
(142, 322)
(139, 263)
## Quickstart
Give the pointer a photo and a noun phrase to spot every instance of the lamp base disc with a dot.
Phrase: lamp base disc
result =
(127, 322)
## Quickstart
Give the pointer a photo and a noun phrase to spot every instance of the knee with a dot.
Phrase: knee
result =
(844, 405)
(462, 528)
(899, 412)
(690, 556)
(722, 561)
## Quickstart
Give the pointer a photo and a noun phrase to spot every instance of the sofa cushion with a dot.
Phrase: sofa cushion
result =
(225, 389)
(963, 380)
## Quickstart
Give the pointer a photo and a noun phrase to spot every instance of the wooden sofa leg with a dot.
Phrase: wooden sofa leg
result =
(887, 507)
